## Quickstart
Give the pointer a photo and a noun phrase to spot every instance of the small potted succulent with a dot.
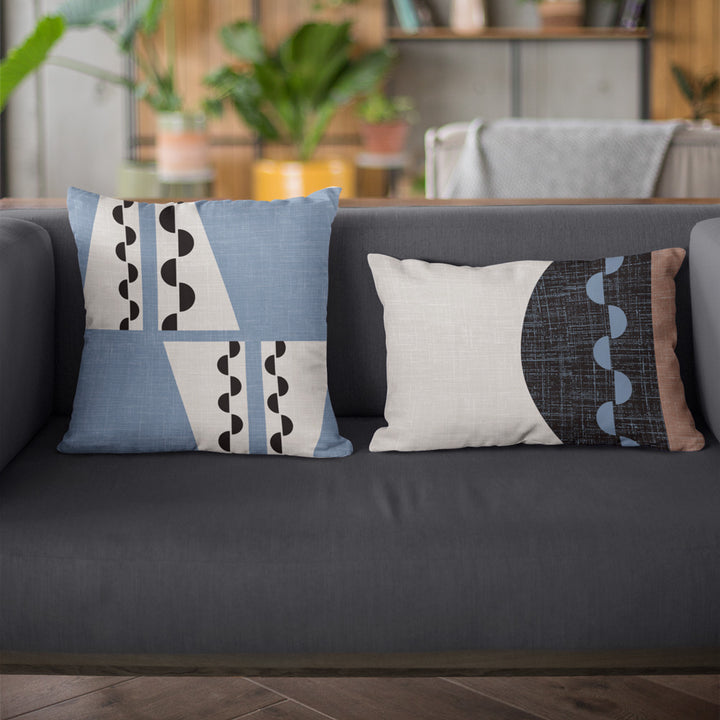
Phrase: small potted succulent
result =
(560, 13)
(385, 122)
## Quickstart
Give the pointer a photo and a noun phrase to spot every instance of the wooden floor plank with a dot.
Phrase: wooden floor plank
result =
(706, 687)
(392, 699)
(285, 710)
(23, 693)
(164, 699)
(594, 698)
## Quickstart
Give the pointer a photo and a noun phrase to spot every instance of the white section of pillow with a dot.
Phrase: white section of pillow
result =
(454, 365)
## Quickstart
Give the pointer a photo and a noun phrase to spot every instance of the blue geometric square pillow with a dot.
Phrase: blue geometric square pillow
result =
(205, 327)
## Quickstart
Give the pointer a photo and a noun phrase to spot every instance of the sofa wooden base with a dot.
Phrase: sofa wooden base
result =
(446, 664)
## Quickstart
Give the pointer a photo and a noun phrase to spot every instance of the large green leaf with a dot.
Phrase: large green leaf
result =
(82, 13)
(316, 129)
(277, 97)
(26, 58)
(684, 83)
(312, 56)
(361, 76)
(246, 99)
(145, 18)
(243, 39)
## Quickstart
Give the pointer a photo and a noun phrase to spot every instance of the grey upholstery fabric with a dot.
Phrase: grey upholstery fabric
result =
(69, 310)
(525, 547)
(460, 235)
(705, 291)
(496, 548)
(27, 288)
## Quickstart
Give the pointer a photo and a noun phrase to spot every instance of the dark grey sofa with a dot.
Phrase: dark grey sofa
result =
(521, 559)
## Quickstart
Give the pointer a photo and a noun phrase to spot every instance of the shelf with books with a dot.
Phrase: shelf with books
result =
(507, 33)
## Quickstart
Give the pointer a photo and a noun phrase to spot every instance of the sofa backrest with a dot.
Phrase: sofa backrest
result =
(467, 235)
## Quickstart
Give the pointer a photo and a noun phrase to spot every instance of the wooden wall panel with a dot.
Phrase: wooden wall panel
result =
(685, 32)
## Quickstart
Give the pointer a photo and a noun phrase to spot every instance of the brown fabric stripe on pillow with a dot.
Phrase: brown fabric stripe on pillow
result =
(679, 425)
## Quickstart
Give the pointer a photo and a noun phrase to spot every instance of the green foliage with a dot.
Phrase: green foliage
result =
(135, 39)
(379, 108)
(88, 13)
(697, 90)
(292, 94)
(144, 18)
(24, 59)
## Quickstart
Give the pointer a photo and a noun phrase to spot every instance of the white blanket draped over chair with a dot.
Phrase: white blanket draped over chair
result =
(525, 158)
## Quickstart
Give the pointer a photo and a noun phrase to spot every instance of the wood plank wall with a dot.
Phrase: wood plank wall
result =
(686, 32)
(197, 24)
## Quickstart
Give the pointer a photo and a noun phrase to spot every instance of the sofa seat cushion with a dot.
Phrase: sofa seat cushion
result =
(556, 548)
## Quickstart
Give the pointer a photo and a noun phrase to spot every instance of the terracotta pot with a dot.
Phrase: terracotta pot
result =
(182, 151)
(274, 179)
(561, 13)
(384, 138)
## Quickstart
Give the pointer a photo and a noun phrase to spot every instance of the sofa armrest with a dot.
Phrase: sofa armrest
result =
(704, 258)
(27, 332)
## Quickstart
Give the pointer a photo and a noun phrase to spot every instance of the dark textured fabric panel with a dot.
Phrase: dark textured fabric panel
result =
(567, 315)
(497, 548)
(459, 235)
(27, 288)
(705, 285)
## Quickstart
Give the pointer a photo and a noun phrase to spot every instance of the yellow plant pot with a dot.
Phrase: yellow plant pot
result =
(273, 179)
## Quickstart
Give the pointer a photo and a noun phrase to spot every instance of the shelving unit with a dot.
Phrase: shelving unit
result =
(515, 37)
(502, 33)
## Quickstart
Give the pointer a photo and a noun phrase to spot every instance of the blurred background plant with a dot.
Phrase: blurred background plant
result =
(291, 94)
(133, 34)
(698, 90)
(377, 107)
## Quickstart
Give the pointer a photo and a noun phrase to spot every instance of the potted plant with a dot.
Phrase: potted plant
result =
(181, 141)
(290, 95)
(560, 13)
(698, 90)
(385, 122)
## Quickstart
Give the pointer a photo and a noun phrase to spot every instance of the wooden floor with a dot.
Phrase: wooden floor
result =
(223, 698)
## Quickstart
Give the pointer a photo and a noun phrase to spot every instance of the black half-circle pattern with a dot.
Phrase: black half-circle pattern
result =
(224, 401)
(170, 271)
(273, 400)
(167, 219)
(118, 215)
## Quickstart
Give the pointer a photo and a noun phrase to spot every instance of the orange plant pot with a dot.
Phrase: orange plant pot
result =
(276, 179)
(384, 138)
(182, 151)
(561, 13)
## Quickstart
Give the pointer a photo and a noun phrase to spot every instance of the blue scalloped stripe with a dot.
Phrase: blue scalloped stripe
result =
(605, 416)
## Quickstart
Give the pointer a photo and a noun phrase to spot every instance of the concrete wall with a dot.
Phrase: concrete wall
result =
(64, 128)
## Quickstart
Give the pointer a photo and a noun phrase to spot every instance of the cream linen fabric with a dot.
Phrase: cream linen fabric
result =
(454, 371)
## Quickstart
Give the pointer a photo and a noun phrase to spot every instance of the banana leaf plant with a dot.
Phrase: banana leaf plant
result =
(290, 95)
(133, 36)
